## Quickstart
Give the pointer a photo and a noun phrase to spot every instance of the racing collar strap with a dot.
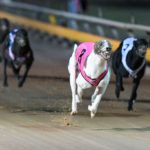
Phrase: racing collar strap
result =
(95, 82)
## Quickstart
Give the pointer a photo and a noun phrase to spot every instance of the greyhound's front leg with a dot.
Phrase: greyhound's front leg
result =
(79, 95)
(136, 83)
(5, 62)
(119, 85)
(96, 97)
(22, 80)
(73, 90)
(16, 71)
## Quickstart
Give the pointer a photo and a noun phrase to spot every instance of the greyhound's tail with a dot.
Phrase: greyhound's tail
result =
(74, 53)
(75, 48)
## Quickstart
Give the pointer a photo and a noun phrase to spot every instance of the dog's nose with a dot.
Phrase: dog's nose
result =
(22, 42)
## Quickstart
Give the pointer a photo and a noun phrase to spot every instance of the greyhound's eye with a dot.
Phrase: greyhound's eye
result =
(108, 49)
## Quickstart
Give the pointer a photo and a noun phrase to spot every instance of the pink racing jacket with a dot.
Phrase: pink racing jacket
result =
(82, 52)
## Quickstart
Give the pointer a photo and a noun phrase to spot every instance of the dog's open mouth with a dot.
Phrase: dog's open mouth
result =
(106, 55)
(141, 53)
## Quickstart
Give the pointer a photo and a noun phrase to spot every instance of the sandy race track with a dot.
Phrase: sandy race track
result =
(37, 116)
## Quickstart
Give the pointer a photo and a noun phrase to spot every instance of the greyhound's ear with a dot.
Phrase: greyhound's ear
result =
(147, 43)
(141, 41)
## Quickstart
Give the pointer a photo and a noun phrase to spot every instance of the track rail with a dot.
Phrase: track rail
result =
(60, 31)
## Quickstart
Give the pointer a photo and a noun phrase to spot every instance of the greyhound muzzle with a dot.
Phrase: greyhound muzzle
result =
(106, 54)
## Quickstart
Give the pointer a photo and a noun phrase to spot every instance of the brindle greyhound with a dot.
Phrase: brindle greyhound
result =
(17, 52)
(129, 60)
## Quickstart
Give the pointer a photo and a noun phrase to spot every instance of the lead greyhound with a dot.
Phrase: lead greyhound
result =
(88, 67)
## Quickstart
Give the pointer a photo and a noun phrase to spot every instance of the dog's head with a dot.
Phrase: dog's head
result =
(141, 46)
(4, 29)
(21, 38)
(21, 43)
(21, 47)
(103, 48)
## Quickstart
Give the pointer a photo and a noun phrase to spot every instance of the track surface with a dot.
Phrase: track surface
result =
(37, 115)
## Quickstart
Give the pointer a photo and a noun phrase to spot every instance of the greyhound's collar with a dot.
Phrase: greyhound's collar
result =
(95, 82)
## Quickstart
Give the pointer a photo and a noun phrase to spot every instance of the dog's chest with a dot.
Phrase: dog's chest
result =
(94, 70)
(80, 81)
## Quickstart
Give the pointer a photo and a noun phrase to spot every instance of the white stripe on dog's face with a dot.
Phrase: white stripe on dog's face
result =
(105, 46)
(21, 41)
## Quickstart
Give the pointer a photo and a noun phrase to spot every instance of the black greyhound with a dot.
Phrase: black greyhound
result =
(4, 29)
(129, 60)
(16, 52)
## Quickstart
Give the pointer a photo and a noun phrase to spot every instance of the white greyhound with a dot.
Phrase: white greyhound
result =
(88, 66)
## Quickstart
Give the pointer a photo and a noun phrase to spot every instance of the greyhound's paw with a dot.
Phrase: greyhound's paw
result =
(73, 113)
(122, 88)
(130, 107)
(92, 114)
(20, 84)
(93, 111)
(117, 92)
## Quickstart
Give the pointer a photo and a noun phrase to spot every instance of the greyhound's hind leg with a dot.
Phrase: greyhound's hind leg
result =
(133, 94)
(72, 71)
(119, 85)
(5, 62)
